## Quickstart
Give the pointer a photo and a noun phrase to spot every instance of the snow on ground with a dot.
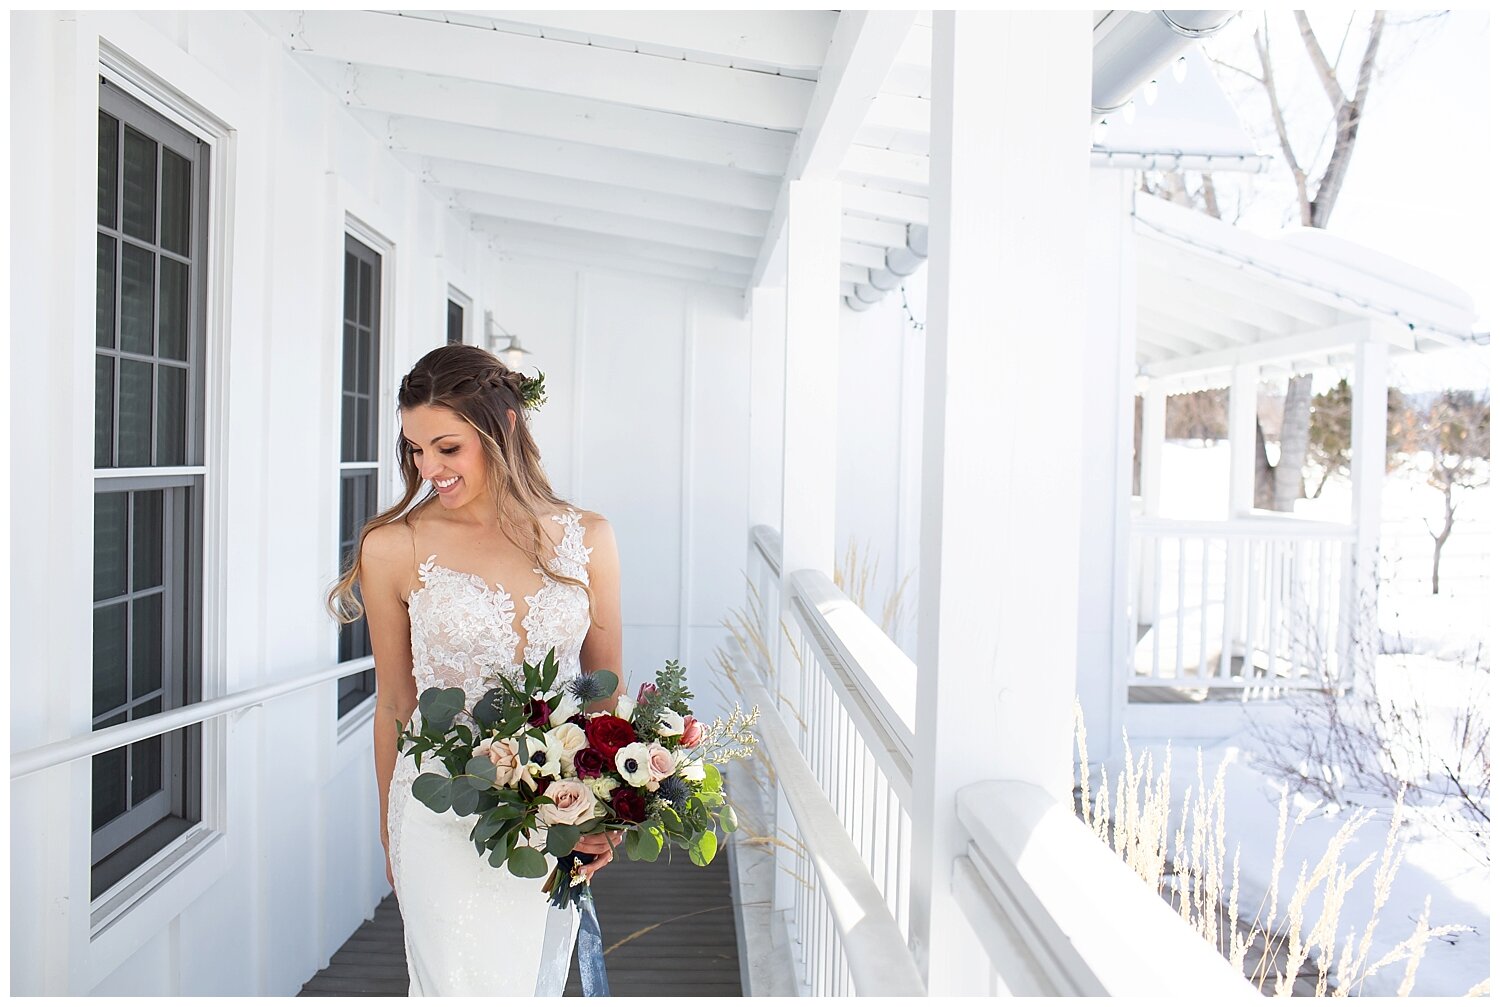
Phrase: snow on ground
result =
(1437, 659)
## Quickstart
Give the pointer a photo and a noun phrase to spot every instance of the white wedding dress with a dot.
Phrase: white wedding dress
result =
(473, 929)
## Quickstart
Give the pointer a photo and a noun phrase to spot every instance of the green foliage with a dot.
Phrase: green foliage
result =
(561, 839)
(524, 862)
(701, 852)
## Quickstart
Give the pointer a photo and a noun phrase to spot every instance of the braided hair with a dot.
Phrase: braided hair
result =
(493, 399)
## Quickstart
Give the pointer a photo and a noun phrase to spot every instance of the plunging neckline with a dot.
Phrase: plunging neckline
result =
(522, 630)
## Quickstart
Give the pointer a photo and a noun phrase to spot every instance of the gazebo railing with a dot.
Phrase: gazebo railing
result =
(1258, 602)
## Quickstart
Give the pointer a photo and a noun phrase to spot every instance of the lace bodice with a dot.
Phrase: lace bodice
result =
(464, 633)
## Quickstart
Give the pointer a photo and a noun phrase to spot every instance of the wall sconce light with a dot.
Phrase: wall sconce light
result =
(502, 343)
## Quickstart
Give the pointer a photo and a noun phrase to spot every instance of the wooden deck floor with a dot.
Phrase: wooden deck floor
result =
(668, 931)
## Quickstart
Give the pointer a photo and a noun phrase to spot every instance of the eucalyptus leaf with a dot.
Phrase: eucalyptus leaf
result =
(524, 862)
(713, 782)
(465, 801)
(433, 790)
(561, 839)
(702, 850)
(728, 819)
(499, 855)
(480, 766)
(490, 708)
(439, 707)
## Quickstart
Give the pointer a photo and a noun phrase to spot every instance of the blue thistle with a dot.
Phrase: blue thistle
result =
(674, 791)
(586, 689)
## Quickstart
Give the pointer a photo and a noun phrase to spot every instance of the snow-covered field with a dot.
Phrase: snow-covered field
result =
(1435, 662)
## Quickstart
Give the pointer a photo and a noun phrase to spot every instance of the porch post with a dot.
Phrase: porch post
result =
(1153, 438)
(1107, 376)
(767, 366)
(1243, 383)
(998, 600)
(809, 432)
(1367, 466)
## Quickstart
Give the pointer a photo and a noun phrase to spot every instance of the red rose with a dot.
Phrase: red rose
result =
(589, 764)
(608, 734)
(538, 713)
(628, 805)
(692, 732)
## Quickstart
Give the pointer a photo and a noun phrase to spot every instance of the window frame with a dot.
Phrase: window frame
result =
(142, 834)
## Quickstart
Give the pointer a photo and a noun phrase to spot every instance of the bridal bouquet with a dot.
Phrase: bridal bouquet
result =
(540, 773)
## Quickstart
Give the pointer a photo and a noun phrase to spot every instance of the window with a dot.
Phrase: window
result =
(148, 476)
(455, 321)
(359, 453)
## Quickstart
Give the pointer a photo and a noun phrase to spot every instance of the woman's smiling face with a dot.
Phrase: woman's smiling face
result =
(447, 453)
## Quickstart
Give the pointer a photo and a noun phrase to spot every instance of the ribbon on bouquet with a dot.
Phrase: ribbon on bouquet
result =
(572, 912)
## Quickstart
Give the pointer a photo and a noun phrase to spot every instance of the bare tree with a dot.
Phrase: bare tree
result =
(1454, 442)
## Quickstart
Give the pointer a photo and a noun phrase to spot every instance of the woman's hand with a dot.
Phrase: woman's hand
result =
(603, 844)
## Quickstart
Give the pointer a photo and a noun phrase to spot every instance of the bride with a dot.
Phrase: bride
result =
(487, 568)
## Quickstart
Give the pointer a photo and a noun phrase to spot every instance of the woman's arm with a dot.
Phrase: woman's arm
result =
(385, 561)
(603, 648)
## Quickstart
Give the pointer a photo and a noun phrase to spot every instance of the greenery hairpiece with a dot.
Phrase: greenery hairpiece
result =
(533, 391)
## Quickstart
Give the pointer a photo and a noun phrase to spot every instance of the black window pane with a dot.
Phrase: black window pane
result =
(137, 290)
(366, 294)
(455, 322)
(351, 287)
(109, 169)
(140, 186)
(364, 438)
(109, 781)
(110, 545)
(104, 411)
(135, 413)
(176, 201)
(171, 415)
(147, 532)
(145, 757)
(369, 359)
(351, 357)
(104, 292)
(348, 451)
(172, 336)
(109, 657)
(145, 645)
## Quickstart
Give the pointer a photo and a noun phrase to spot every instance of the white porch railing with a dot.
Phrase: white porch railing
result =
(1258, 602)
(1032, 882)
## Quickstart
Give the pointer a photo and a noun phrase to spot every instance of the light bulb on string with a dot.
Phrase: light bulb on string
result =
(1149, 92)
(1179, 69)
(1129, 113)
(1101, 130)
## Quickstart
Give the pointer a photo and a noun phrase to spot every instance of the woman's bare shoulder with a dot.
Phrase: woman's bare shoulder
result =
(389, 545)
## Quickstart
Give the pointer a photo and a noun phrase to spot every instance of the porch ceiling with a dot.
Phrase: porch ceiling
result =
(1210, 295)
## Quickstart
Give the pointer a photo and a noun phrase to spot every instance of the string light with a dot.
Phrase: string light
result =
(1179, 69)
(911, 319)
(1149, 92)
(1129, 112)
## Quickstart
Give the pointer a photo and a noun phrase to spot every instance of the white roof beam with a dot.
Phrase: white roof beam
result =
(896, 111)
(862, 255)
(1187, 268)
(1210, 319)
(584, 257)
(1306, 345)
(879, 233)
(887, 169)
(429, 138)
(1189, 333)
(794, 40)
(748, 97)
(520, 230)
(1157, 286)
(884, 205)
(455, 178)
(605, 223)
(563, 117)
(864, 46)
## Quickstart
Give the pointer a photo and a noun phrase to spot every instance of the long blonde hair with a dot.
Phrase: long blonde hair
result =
(474, 384)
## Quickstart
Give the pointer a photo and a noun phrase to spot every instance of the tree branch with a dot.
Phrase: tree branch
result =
(1349, 115)
(1263, 50)
(1326, 75)
(1237, 69)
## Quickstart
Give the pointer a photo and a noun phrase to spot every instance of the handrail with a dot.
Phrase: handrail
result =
(879, 961)
(768, 541)
(1032, 865)
(1247, 527)
(57, 753)
(875, 679)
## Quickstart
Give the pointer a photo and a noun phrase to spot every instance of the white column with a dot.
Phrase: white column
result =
(1243, 384)
(1107, 376)
(999, 559)
(809, 452)
(1367, 467)
(1153, 437)
(767, 374)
